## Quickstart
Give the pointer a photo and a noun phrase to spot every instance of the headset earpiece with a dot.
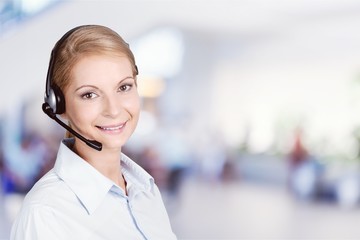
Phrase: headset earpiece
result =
(56, 100)
(53, 94)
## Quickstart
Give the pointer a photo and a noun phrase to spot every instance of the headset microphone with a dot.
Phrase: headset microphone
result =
(91, 143)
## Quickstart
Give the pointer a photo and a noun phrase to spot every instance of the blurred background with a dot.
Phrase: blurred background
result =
(251, 110)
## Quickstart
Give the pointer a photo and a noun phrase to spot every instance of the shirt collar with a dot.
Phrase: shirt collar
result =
(88, 184)
(136, 175)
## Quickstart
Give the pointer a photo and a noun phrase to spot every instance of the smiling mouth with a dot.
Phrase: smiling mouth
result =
(111, 128)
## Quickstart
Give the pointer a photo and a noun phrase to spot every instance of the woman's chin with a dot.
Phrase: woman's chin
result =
(113, 145)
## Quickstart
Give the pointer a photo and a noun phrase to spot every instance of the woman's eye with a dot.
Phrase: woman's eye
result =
(125, 87)
(88, 95)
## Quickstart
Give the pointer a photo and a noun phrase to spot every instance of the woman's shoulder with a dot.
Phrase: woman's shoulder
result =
(45, 191)
(38, 215)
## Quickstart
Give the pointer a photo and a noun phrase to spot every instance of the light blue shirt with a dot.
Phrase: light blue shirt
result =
(75, 201)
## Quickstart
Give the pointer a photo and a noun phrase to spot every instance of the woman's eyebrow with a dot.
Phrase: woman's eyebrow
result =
(84, 86)
(125, 78)
(92, 86)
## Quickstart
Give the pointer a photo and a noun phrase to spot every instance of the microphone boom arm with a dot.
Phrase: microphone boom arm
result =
(91, 143)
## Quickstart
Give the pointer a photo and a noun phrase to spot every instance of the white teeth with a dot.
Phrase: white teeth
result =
(111, 128)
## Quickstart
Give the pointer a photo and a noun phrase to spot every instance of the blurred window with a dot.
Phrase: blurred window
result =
(15, 11)
(160, 52)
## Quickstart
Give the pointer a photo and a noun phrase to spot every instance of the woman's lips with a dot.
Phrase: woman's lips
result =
(112, 128)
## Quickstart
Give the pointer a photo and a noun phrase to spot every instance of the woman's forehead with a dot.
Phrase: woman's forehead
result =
(100, 67)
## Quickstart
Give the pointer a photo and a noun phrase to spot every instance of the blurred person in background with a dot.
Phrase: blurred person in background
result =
(94, 191)
(26, 155)
(305, 171)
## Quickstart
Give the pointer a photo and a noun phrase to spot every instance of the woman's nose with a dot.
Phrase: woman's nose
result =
(111, 106)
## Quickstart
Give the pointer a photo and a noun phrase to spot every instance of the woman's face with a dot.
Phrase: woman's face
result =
(102, 102)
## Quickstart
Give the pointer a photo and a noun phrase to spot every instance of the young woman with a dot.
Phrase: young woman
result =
(93, 192)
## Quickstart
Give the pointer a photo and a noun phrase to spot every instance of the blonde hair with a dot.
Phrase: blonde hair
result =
(84, 41)
(87, 40)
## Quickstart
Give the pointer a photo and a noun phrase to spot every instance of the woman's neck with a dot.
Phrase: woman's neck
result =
(106, 161)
